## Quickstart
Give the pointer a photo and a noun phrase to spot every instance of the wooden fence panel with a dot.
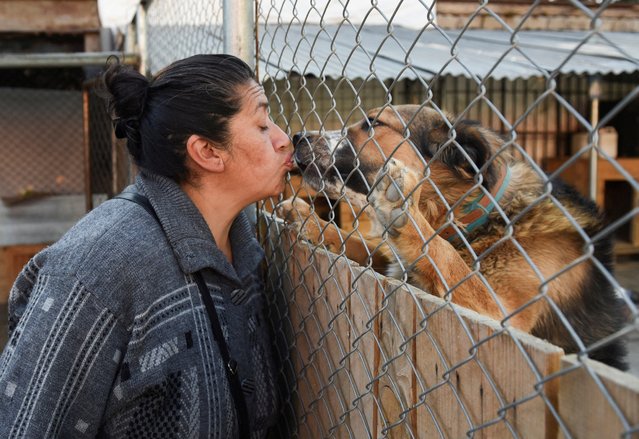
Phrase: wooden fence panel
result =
(306, 338)
(374, 357)
(332, 313)
(365, 354)
(397, 372)
(586, 410)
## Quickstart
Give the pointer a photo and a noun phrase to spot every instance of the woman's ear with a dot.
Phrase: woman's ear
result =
(204, 155)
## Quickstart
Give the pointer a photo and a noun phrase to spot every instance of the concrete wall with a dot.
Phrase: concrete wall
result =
(39, 221)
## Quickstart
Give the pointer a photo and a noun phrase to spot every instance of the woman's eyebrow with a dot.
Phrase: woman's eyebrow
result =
(260, 105)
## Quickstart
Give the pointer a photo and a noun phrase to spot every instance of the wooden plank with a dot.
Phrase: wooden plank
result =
(312, 411)
(446, 367)
(510, 374)
(365, 353)
(470, 378)
(397, 391)
(586, 411)
(299, 348)
(331, 309)
(58, 16)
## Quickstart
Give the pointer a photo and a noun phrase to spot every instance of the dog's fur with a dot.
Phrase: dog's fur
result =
(402, 160)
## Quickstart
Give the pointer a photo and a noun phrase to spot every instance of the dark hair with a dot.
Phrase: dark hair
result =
(196, 95)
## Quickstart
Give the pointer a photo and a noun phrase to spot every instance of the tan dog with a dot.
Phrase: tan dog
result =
(432, 189)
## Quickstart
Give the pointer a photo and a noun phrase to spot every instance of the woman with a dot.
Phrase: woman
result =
(116, 330)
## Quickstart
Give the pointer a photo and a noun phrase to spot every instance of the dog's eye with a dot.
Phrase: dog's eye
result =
(371, 122)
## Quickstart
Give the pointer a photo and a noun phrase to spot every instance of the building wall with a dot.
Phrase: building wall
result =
(559, 15)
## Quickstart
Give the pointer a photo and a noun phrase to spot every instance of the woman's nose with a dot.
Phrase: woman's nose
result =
(281, 139)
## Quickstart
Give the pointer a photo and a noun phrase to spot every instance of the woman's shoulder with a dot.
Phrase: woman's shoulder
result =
(116, 247)
(116, 228)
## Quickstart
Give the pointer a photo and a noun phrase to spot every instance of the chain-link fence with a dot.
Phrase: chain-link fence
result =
(42, 147)
(180, 29)
(57, 137)
(109, 167)
(486, 250)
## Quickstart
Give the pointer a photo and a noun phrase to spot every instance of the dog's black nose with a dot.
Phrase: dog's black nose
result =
(297, 138)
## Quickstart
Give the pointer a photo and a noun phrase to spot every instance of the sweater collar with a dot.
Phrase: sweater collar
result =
(189, 235)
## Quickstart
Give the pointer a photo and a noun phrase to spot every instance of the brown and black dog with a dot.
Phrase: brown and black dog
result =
(432, 185)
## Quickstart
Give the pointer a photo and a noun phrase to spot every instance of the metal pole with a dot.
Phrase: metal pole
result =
(239, 29)
(595, 94)
(239, 40)
(140, 25)
(57, 60)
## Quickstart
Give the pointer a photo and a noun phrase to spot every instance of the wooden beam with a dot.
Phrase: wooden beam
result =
(49, 16)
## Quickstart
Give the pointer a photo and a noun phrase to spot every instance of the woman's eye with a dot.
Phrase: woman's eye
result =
(263, 127)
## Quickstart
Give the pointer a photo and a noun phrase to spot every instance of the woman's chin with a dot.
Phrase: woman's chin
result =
(273, 194)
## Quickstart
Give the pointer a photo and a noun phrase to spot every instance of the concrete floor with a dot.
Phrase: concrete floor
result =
(627, 272)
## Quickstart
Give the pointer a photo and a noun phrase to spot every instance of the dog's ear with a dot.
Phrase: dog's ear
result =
(475, 143)
(430, 132)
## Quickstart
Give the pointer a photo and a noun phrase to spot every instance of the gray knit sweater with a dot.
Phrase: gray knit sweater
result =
(110, 338)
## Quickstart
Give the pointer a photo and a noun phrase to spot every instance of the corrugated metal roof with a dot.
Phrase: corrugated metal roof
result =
(370, 51)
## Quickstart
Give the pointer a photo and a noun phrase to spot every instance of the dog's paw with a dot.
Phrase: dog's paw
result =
(293, 210)
(395, 195)
(299, 214)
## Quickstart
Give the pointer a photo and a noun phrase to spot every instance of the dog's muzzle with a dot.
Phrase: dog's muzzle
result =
(303, 151)
(328, 163)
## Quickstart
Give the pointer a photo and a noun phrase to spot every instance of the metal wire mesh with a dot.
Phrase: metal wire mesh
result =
(360, 349)
(364, 355)
(110, 168)
(57, 137)
(177, 29)
(42, 135)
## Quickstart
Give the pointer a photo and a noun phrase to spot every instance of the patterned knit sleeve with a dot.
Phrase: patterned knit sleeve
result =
(59, 364)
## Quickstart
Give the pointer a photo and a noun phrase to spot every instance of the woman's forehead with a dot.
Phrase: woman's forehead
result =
(254, 96)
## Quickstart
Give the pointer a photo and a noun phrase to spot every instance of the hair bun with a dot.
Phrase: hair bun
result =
(126, 91)
(129, 129)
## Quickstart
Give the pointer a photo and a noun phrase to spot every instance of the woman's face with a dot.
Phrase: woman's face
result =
(260, 155)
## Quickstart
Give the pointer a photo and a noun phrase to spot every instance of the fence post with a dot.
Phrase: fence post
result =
(141, 38)
(239, 40)
(239, 29)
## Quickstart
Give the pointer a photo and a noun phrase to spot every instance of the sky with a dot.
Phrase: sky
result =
(411, 13)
